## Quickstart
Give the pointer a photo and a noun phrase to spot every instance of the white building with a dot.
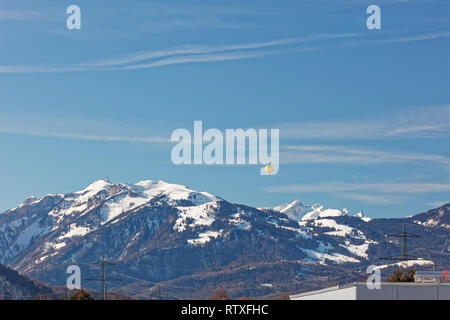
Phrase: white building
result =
(388, 291)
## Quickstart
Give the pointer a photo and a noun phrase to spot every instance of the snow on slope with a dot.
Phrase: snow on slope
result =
(323, 253)
(92, 190)
(197, 215)
(358, 250)
(205, 237)
(239, 221)
(320, 212)
(174, 192)
(340, 229)
(27, 235)
(405, 264)
(75, 231)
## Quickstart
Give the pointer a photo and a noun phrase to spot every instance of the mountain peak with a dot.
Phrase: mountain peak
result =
(29, 200)
(288, 206)
(174, 192)
(296, 202)
(96, 186)
(296, 210)
(362, 216)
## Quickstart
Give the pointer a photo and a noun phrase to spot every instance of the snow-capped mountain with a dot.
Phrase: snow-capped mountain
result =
(299, 212)
(169, 234)
(62, 218)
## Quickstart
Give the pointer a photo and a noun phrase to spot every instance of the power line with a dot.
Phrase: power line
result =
(404, 256)
(103, 278)
(159, 294)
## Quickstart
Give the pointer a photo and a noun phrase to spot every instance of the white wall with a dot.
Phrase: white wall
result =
(339, 294)
(388, 291)
(404, 292)
(444, 293)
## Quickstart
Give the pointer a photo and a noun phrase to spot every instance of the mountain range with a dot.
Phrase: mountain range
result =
(173, 241)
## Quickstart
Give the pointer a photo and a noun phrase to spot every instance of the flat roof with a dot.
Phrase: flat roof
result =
(355, 284)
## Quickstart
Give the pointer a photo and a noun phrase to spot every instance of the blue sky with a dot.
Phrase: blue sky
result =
(364, 115)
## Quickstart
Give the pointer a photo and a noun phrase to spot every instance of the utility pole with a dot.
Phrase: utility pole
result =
(159, 294)
(445, 247)
(103, 278)
(404, 256)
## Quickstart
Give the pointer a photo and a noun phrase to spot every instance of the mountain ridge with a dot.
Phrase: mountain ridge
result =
(160, 232)
(17, 287)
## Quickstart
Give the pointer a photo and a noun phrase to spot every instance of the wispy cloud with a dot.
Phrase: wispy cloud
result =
(205, 53)
(384, 187)
(362, 156)
(182, 54)
(41, 69)
(413, 38)
(204, 49)
(88, 137)
(195, 58)
(383, 199)
(21, 15)
(414, 122)
(214, 57)
(181, 59)
(370, 193)
(438, 203)
(65, 127)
